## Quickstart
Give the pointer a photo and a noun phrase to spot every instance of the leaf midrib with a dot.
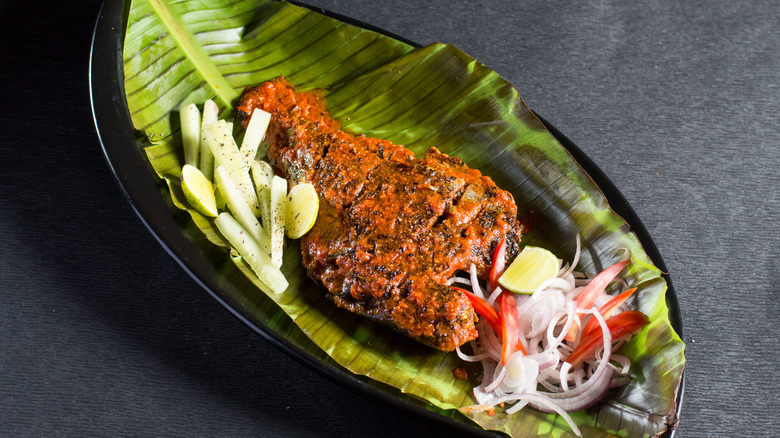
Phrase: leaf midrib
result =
(194, 52)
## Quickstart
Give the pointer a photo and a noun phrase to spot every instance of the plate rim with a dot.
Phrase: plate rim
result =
(111, 116)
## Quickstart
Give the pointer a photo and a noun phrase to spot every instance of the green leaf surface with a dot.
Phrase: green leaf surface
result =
(179, 52)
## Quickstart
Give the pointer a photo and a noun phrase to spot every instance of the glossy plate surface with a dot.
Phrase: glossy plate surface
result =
(131, 168)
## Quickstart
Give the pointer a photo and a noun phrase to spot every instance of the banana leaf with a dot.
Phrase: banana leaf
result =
(179, 52)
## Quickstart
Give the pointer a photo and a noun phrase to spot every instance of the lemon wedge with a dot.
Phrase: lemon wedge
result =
(198, 191)
(301, 213)
(529, 269)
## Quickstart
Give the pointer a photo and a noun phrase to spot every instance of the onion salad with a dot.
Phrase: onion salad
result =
(554, 349)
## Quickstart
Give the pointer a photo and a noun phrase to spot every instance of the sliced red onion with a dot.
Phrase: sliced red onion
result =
(549, 386)
(560, 284)
(600, 370)
(521, 374)
(517, 407)
(498, 378)
(583, 281)
(543, 404)
(596, 388)
(591, 368)
(456, 279)
(619, 381)
(576, 260)
(471, 358)
(546, 359)
(579, 376)
(489, 340)
(564, 376)
(572, 294)
(538, 311)
(623, 361)
(570, 279)
(554, 342)
(533, 345)
(553, 376)
(524, 303)
(487, 373)
(475, 282)
(617, 343)
(524, 343)
(494, 296)
(482, 397)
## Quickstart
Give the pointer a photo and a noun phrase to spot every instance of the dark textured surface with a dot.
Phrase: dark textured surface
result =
(101, 332)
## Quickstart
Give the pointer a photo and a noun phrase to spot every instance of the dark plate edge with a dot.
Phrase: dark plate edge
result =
(110, 114)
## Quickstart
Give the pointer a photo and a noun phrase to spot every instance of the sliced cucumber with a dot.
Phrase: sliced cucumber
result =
(250, 250)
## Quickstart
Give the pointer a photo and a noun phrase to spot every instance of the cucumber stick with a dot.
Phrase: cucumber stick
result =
(250, 250)
(254, 135)
(210, 115)
(189, 118)
(262, 174)
(240, 209)
(219, 137)
(278, 212)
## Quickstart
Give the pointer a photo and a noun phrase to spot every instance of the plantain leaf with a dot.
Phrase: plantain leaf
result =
(177, 53)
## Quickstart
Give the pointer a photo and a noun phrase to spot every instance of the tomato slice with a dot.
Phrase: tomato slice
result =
(624, 323)
(498, 265)
(608, 309)
(588, 295)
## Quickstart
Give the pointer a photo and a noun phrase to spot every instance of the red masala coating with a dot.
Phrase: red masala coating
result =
(391, 228)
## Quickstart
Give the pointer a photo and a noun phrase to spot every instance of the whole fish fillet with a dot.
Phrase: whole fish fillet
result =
(391, 228)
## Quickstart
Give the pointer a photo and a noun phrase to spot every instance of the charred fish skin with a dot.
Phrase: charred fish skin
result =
(392, 228)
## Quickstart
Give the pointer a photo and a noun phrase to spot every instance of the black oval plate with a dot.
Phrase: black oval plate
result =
(137, 180)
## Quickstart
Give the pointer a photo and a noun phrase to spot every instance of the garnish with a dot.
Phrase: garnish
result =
(254, 203)
(534, 349)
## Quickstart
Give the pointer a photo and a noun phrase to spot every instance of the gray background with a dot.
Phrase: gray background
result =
(101, 332)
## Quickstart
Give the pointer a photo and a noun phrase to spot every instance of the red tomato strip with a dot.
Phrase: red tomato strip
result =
(608, 310)
(484, 310)
(630, 322)
(588, 296)
(498, 265)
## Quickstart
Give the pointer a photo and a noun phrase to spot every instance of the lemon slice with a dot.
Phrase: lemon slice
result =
(529, 269)
(198, 191)
(301, 213)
